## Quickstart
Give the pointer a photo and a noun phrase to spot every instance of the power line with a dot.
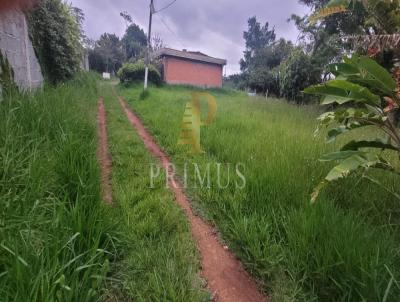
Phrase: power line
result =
(177, 37)
(166, 7)
(170, 30)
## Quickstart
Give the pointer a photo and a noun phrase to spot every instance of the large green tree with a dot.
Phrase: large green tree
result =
(108, 54)
(381, 26)
(134, 42)
(296, 73)
(257, 38)
(263, 70)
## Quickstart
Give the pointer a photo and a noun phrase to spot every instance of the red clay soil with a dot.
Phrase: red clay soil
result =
(103, 155)
(225, 275)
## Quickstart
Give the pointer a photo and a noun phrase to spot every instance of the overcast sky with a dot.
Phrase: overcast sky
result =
(214, 27)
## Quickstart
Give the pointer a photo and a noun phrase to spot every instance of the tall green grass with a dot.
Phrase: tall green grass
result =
(55, 239)
(344, 248)
(160, 260)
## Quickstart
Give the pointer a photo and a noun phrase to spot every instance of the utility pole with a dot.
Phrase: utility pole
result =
(146, 73)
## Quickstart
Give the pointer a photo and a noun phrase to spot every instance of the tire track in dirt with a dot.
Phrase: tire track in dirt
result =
(225, 275)
(103, 154)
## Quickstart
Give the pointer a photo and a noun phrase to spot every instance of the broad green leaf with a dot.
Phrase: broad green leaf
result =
(351, 164)
(330, 99)
(334, 3)
(317, 191)
(340, 155)
(375, 110)
(331, 94)
(324, 89)
(335, 132)
(332, 7)
(343, 69)
(373, 84)
(355, 91)
(342, 91)
(343, 115)
(359, 160)
(377, 72)
(377, 143)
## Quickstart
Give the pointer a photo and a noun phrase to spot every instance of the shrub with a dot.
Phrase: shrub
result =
(297, 72)
(130, 73)
(264, 81)
(55, 30)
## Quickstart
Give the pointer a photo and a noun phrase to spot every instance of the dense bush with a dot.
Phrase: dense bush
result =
(130, 73)
(55, 28)
(107, 54)
(264, 81)
(296, 73)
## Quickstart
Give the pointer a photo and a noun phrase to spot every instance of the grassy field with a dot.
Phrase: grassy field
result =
(56, 241)
(344, 248)
(59, 243)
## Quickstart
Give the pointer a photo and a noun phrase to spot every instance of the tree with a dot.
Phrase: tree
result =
(264, 81)
(257, 38)
(296, 73)
(381, 17)
(157, 42)
(127, 18)
(109, 47)
(55, 28)
(263, 70)
(381, 25)
(96, 61)
(134, 42)
(271, 56)
(236, 81)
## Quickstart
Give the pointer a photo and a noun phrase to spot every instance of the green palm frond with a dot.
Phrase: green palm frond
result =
(333, 7)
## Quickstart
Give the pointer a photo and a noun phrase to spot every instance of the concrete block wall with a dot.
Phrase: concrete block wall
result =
(17, 47)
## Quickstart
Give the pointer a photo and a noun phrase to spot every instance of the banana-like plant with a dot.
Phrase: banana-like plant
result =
(364, 94)
(383, 15)
(333, 7)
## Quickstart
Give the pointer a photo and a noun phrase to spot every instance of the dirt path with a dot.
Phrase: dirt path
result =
(226, 277)
(103, 155)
